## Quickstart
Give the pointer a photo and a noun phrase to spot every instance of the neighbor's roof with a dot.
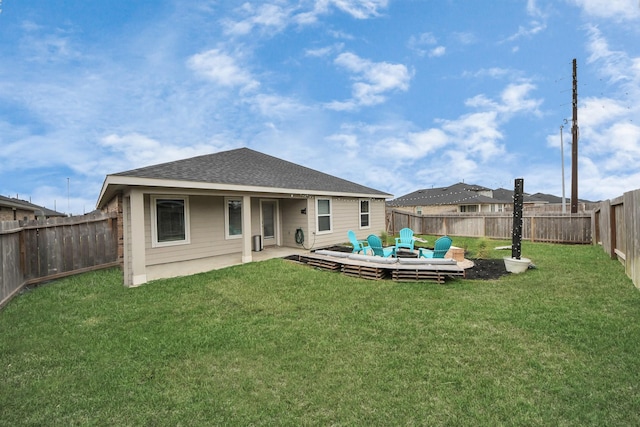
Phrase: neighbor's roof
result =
(456, 194)
(11, 202)
(241, 169)
(507, 196)
(549, 198)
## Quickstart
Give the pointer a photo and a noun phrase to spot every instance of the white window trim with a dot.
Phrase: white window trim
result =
(330, 230)
(228, 236)
(154, 222)
(360, 213)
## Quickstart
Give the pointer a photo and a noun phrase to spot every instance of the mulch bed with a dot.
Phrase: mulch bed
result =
(486, 269)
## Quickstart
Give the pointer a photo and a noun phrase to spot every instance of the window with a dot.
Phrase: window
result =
(364, 213)
(469, 208)
(233, 218)
(170, 221)
(324, 215)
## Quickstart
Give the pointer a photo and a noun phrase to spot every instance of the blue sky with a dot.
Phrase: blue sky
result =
(397, 95)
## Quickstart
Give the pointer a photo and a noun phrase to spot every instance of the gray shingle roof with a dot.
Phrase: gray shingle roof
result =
(456, 194)
(246, 167)
(27, 206)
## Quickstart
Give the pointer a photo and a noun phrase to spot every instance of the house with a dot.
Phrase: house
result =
(13, 209)
(463, 197)
(182, 217)
(458, 197)
(542, 202)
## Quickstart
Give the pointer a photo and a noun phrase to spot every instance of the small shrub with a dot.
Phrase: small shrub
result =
(384, 236)
(482, 251)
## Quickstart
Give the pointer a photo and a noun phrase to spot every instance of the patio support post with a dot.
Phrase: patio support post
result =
(246, 229)
(138, 263)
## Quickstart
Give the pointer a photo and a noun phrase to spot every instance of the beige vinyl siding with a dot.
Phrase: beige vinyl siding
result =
(11, 214)
(207, 226)
(345, 216)
(378, 217)
(292, 219)
(206, 215)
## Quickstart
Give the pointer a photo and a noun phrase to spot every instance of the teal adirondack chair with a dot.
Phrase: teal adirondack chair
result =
(358, 245)
(376, 246)
(406, 239)
(440, 248)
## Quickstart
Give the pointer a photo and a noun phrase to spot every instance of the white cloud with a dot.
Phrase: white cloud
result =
(274, 17)
(136, 150)
(278, 106)
(464, 38)
(605, 185)
(532, 29)
(266, 16)
(360, 9)
(222, 69)
(42, 45)
(614, 65)
(347, 140)
(515, 99)
(423, 44)
(324, 51)
(466, 146)
(598, 111)
(372, 81)
(347, 144)
(412, 145)
(619, 10)
(623, 75)
(493, 72)
(536, 25)
(476, 133)
(437, 51)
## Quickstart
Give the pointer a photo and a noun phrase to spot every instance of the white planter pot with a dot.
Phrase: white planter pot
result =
(516, 266)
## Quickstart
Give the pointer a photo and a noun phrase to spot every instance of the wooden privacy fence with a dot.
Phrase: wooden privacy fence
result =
(617, 229)
(536, 227)
(41, 250)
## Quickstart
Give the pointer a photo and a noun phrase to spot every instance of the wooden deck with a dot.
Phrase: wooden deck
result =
(438, 271)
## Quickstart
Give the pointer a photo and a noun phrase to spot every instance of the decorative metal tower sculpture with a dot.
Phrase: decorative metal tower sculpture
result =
(516, 237)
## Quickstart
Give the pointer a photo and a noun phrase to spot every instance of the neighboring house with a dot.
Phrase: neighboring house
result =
(541, 202)
(180, 217)
(12, 209)
(459, 197)
(463, 197)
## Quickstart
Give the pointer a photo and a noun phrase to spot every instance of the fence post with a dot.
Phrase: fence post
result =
(612, 231)
(532, 230)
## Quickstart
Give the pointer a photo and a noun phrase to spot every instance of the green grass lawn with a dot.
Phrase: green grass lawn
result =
(277, 343)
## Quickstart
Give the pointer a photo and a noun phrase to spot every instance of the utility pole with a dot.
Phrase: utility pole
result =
(574, 145)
